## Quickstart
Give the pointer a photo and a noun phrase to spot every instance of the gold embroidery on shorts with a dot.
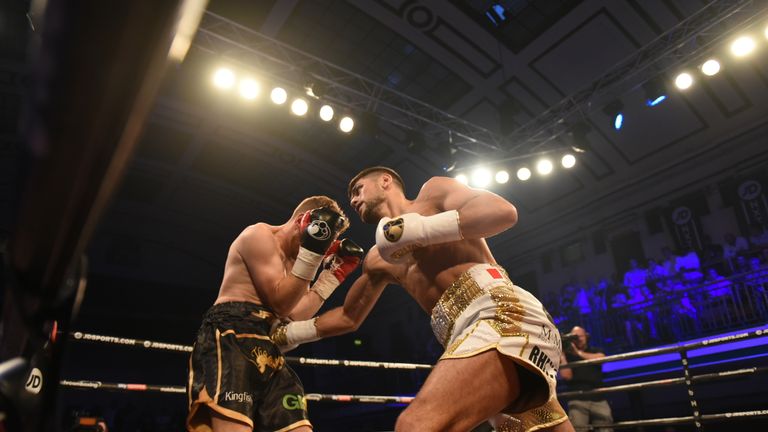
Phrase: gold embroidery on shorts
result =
(262, 314)
(547, 415)
(263, 359)
(452, 303)
(509, 311)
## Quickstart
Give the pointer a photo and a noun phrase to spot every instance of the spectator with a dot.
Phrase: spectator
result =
(656, 274)
(711, 254)
(668, 260)
(591, 409)
(733, 247)
(758, 237)
(635, 277)
(688, 266)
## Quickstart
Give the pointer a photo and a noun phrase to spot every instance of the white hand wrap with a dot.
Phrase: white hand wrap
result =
(397, 238)
(325, 284)
(306, 264)
(299, 332)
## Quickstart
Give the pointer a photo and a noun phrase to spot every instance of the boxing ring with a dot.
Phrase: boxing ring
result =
(688, 380)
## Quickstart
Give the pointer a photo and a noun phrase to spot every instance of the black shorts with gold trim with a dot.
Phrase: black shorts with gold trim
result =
(237, 371)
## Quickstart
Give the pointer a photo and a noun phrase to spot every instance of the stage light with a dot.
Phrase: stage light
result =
(326, 113)
(710, 67)
(461, 178)
(544, 166)
(614, 111)
(655, 92)
(523, 174)
(481, 177)
(346, 124)
(742, 46)
(684, 81)
(299, 107)
(568, 161)
(502, 177)
(224, 78)
(658, 100)
(249, 89)
(279, 95)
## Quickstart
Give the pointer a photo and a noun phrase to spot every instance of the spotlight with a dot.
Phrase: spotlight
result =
(249, 89)
(346, 124)
(684, 81)
(299, 107)
(461, 178)
(614, 111)
(523, 174)
(481, 177)
(655, 92)
(502, 177)
(224, 78)
(315, 90)
(279, 95)
(544, 166)
(326, 113)
(710, 67)
(448, 153)
(578, 132)
(568, 161)
(742, 46)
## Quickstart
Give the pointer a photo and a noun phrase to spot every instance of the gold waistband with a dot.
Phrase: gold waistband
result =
(455, 300)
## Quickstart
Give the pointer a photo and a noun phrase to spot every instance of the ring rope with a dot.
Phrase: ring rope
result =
(82, 384)
(752, 334)
(94, 385)
(663, 382)
(163, 346)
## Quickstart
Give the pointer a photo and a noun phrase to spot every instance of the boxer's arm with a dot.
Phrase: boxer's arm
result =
(360, 299)
(307, 306)
(481, 213)
(277, 288)
(341, 260)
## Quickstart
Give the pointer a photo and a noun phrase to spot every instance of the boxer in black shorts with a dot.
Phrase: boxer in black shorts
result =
(238, 379)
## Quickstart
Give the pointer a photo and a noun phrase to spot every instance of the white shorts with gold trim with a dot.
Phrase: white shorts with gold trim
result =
(484, 310)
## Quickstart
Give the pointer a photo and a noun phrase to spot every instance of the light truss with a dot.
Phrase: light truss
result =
(688, 40)
(283, 62)
(714, 22)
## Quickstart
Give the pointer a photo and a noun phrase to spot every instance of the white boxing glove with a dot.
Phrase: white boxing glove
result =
(397, 238)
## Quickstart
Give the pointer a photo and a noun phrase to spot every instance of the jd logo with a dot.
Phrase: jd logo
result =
(294, 402)
(681, 215)
(749, 190)
(393, 230)
(34, 382)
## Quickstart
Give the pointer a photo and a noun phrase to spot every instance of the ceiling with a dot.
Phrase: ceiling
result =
(209, 164)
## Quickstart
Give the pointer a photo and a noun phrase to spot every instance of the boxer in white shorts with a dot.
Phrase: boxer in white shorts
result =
(502, 350)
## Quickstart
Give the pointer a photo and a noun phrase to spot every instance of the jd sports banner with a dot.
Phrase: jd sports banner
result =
(754, 207)
(686, 227)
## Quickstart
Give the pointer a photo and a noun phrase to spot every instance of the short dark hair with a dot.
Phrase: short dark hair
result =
(375, 169)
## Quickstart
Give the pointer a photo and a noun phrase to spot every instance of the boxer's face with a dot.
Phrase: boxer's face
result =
(366, 198)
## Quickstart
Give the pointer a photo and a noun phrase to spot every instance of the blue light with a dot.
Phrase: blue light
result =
(618, 121)
(656, 101)
(496, 14)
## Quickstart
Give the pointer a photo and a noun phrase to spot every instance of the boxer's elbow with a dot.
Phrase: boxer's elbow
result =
(509, 215)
